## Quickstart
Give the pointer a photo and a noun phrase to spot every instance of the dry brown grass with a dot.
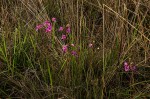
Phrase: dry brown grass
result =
(119, 28)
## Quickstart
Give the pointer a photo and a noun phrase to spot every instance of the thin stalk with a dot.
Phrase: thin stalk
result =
(103, 81)
(53, 35)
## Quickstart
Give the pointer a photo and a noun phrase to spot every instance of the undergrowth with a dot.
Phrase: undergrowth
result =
(74, 49)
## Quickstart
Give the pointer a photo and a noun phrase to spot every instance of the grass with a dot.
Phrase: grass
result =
(34, 66)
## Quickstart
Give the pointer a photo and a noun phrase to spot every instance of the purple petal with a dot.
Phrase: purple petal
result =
(54, 19)
(49, 28)
(74, 53)
(126, 68)
(60, 29)
(68, 30)
(133, 68)
(65, 48)
(125, 63)
(39, 27)
(63, 37)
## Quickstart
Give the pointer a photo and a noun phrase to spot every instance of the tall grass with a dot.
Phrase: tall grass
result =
(33, 64)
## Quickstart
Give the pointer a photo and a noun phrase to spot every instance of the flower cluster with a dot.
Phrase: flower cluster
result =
(65, 50)
(129, 67)
(64, 35)
(47, 25)
(65, 31)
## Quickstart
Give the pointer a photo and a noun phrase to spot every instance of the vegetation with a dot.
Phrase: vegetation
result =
(74, 49)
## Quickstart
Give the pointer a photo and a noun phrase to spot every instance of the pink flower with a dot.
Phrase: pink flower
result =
(65, 48)
(126, 67)
(46, 23)
(68, 30)
(63, 37)
(39, 27)
(129, 67)
(90, 45)
(74, 53)
(61, 28)
(54, 19)
(49, 28)
(125, 63)
(133, 68)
